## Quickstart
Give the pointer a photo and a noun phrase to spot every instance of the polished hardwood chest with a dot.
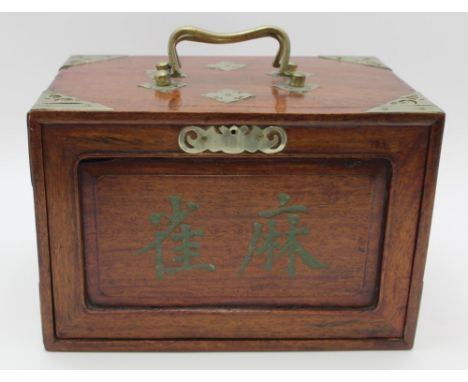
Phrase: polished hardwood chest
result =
(232, 211)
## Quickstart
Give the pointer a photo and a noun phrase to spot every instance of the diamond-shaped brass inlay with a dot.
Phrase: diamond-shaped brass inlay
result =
(226, 66)
(228, 95)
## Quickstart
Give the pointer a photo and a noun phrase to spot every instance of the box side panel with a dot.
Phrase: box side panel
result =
(42, 232)
(101, 142)
(67, 144)
(424, 226)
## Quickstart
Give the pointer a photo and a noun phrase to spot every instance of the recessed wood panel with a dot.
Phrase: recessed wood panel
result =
(307, 232)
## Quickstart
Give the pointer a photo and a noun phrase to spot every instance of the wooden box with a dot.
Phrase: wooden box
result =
(234, 207)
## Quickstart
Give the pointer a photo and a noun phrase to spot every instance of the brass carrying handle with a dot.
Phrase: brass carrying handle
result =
(191, 33)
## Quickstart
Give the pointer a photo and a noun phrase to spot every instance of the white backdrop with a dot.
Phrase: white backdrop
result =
(427, 50)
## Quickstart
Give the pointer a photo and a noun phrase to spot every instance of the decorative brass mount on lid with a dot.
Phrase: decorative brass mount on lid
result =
(172, 68)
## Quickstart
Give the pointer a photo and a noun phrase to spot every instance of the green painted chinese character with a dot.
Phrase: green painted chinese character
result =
(271, 247)
(186, 247)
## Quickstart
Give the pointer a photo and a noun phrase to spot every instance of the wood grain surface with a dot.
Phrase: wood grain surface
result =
(343, 87)
(345, 202)
(367, 181)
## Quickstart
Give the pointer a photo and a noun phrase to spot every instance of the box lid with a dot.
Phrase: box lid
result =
(241, 85)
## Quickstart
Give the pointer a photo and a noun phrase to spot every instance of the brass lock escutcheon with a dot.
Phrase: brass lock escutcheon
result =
(232, 139)
(172, 68)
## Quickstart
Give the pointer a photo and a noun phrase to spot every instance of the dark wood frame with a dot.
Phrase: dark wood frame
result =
(58, 140)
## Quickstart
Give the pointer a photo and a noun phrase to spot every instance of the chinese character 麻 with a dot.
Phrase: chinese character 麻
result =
(271, 247)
